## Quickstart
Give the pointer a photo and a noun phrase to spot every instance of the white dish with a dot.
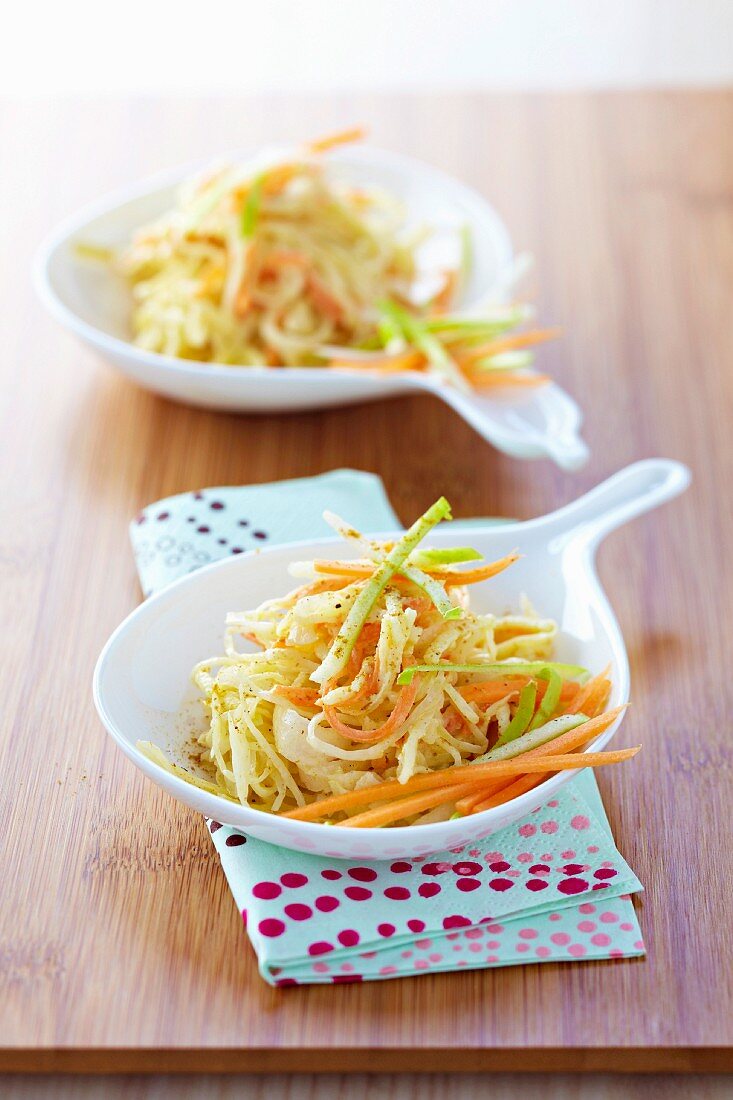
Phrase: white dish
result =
(93, 303)
(142, 678)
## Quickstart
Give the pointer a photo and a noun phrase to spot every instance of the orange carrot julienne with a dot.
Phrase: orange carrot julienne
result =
(392, 788)
(341, 137)
(486, 380)
(320, 294)
(407, 807)
(596, 702)
(506, 794)
(447, 576)
(506, 343)
(412, 360)
(395, 811)
(393, 723)
(282, 257)
(300, 696)
(586, 692)
(243, 299)
(473, 576)
(272, 182)
(275, 179)
(351, 569)
(367, 688)
(323, 299)
(212, 281)
(491, 691)
(443, 298)
(465, 805)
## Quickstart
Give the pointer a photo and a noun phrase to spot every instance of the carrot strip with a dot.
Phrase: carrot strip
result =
(412, 360)
(444, 297)
(211, 282)
(566, 743)
(385, 815)
(243, 299)
(341, 137)
(465, 805)
(321, 296)
(369, 636)
(491, 691)
(303, 697)
(271, 182)
(392, 788)
(473, 576)
(351, 569)
(507, 343)
(282, 257)
(513, 790)
(586, 692)
(277, 178)
(447, 576)
(598, 699)
(407, 807)
(323, 299)
(493, 380)
(367, 688)
(396, 719)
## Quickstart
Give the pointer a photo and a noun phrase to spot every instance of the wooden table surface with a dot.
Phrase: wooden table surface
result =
(121, 948)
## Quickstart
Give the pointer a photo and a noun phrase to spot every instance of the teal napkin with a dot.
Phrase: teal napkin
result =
(552, 887)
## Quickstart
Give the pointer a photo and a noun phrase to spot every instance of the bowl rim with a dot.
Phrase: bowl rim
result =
(112, 346)
(253, 817)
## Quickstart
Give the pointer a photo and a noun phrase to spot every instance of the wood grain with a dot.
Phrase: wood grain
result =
(439, 1086)
(121, 948)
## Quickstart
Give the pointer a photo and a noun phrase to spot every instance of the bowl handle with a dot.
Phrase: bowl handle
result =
(629, 493)
(544, 423)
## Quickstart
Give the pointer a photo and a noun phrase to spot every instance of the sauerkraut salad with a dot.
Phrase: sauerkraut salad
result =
(281, 262)
(376, 696)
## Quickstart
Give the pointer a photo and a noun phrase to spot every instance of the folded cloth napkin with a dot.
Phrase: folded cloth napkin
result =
(551, 887)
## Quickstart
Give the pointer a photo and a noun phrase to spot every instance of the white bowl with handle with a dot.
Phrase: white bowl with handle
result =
(94, 303)
(142, 684)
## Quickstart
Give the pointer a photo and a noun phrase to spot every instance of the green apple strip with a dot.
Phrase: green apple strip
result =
(434, 590)
(533, 739)
(251, 209)
(429, 559)
(500, 668)
(338, 655)
(419, 336)
(522, 715)
(551, 698)
(489, 324)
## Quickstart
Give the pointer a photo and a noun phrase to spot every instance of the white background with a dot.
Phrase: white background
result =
(150, 46)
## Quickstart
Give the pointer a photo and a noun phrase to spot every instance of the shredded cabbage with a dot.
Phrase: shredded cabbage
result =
(357, 681)
(283, 262)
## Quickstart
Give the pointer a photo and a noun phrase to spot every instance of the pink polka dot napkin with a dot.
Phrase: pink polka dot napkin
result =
(551, 888)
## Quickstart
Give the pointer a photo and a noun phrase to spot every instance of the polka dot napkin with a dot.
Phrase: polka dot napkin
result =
(550, 888)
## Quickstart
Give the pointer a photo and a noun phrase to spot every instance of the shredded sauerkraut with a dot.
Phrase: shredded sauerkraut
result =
(282, 262)
(376, 669)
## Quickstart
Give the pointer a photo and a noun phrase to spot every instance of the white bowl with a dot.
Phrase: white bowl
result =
(142, 679)
(94, 303)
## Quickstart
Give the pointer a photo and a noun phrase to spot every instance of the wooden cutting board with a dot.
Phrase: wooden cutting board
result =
(121, 947)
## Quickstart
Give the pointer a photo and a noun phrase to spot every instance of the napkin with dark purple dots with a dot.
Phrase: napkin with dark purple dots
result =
(551, 888)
